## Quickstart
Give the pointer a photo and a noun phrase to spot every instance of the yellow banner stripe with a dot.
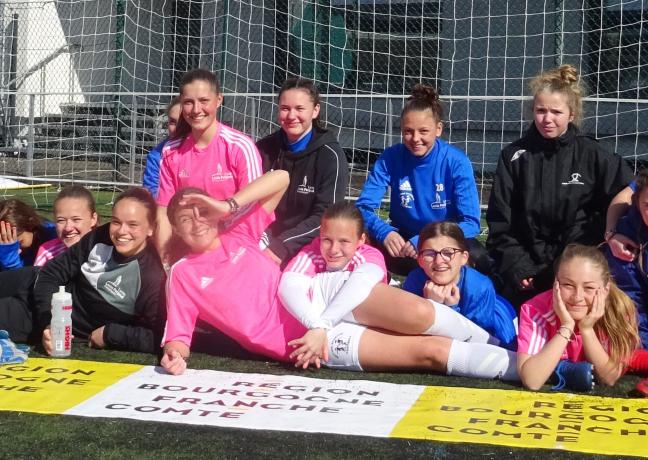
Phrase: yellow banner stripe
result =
(527, 419)
(52, 386)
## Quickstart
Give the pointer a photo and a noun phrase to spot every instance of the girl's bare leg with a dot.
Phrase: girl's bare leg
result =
(396, 310)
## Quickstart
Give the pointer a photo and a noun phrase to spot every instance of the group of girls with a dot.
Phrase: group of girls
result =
(112, 271)
(238, 228)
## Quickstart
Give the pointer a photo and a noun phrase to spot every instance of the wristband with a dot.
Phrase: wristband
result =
(609, 234)
(568, 337)
(234, 206)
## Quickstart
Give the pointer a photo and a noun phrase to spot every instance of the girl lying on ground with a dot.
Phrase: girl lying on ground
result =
(228, 282)
(22, 232)
(445, 277)
(75, 214)
(115, 277)
(585, 321)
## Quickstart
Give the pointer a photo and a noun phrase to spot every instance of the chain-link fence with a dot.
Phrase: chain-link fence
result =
(84, 84)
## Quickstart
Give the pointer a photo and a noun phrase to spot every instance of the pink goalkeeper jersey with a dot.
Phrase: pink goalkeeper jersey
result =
(226, 165)
(233, 288)
(310, 262)
(538, 324)
(48, 250)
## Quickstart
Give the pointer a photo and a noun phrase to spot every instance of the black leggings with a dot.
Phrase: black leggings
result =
(15, 303)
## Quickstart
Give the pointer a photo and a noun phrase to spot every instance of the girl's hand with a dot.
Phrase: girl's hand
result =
(394, 243)
(447, 294)
(173, 360)
(408, 250)
(47, 341)
(8, 233)
(596, 312)
(622, 247)
(311, 348)
(216, 209)
(96, 339)
(526, 284)
(560, 309)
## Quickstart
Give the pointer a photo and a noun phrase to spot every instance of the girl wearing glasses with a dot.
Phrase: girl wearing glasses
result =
(444, 276)
(313, 313)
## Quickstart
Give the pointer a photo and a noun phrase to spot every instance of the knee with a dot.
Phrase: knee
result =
(433, 353)
(423, 312)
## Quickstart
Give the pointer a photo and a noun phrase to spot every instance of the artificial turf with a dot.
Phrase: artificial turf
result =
(27, 435)
(35, 436)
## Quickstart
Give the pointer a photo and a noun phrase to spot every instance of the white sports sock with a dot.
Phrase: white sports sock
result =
(449, 323)
(481, 360)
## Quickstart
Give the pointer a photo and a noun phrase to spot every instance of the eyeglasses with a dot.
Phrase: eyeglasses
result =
(446, 253)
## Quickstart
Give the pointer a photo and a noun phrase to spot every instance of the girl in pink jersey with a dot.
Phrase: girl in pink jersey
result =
(204, 152)
(229, 283)
(75, 214)
(584, 321)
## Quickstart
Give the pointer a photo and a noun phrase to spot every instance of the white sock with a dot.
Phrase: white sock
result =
(482, 360)
(449, 323)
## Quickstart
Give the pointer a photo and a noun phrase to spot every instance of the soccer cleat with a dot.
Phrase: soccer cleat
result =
(573, 376)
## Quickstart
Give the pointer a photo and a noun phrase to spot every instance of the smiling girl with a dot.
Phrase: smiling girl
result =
(444, 276)
(204, 153)
(584, 319)
(75, 214)
(552, 187)
(430, 181)
(317, 165)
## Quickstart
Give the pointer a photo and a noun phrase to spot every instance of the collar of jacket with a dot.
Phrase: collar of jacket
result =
(551, 146)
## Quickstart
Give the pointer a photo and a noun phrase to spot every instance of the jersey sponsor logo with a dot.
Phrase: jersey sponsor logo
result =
(205, 281)
(114, 289)
(183, 173)
(517, 155)
(220, 176)
(575, 180)
(238, 254)
(304, 188)
(406, 195)
(439, 202)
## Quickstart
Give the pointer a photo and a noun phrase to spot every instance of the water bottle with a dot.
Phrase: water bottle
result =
(61, 325)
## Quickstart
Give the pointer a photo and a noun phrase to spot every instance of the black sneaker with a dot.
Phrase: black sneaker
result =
(573, 376)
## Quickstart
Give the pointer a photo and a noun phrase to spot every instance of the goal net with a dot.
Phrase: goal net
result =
(84, 84)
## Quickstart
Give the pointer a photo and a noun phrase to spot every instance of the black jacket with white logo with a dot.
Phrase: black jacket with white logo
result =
(121, 293)
(319, 176)
(549, 193)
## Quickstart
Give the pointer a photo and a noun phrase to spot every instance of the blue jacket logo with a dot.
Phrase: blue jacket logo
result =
(406, 196)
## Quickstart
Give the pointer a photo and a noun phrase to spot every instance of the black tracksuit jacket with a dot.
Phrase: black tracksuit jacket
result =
(319, 176)
(549, 193)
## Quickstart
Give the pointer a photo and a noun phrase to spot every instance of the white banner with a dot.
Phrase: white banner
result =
(257, 401)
